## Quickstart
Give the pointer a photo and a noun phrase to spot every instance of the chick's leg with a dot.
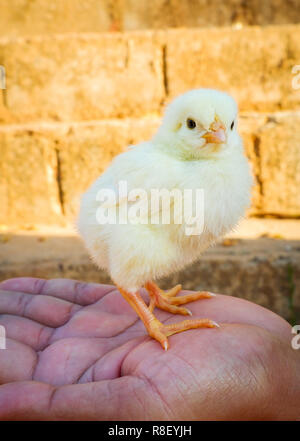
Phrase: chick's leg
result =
(155, 328)
(168, 300)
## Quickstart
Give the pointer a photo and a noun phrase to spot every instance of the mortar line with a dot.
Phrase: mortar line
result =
(256, 146)
(59, 181)
(164, 69)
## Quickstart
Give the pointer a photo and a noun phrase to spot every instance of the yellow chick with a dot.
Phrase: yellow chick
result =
(196, 148)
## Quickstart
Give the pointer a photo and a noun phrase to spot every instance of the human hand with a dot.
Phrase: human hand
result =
(77, 351)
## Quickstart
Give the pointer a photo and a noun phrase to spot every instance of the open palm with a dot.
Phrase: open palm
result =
(77, 351)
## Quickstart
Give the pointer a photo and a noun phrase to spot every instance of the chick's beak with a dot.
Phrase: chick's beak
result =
(216, 134)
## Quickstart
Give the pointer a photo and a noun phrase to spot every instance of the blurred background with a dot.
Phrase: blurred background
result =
(82, 79)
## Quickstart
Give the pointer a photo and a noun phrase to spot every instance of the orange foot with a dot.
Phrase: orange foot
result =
(168, 302)
(160, 332)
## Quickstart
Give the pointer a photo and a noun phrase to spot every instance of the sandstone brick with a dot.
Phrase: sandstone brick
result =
(273, 146)
(279, 159)
(42, 17)
(254, 64)
(29, 190)
(81, 77)
(160, 14)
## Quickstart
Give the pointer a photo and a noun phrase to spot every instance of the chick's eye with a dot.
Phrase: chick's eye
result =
(190, 123)
(232, 125)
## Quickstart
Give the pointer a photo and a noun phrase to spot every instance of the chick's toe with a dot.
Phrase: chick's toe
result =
(168, 300)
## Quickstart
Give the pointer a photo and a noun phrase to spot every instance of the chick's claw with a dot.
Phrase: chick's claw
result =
(160, 332)
(168, 300)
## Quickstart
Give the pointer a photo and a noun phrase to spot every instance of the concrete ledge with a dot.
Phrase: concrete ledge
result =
(95, 76)
(261, 269)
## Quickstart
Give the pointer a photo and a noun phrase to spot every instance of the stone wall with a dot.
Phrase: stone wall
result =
(73, 101)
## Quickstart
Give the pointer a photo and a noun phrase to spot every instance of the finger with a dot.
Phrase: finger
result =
(71, 290)
(17, 362)
(126, 398)
(47, 310)
(26, 400)
(26, 331)
(228, 309)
